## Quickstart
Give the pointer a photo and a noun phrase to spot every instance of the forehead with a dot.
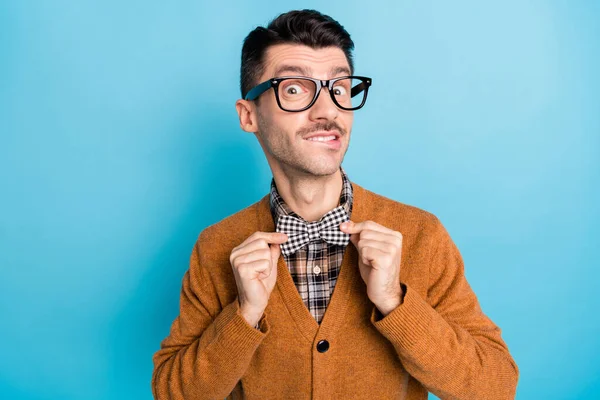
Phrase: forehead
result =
(320, 63)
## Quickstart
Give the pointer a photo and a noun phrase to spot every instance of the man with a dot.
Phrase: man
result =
(323, 289)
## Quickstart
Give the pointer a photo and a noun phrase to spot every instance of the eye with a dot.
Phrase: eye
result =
(293, 89)
(339, 91)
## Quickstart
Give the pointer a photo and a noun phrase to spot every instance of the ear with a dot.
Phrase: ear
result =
(247, 114)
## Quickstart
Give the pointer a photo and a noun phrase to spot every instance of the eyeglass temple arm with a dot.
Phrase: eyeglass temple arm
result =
(258, 90)
(358, 88)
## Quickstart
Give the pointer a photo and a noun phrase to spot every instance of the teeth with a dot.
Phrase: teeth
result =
(321, 138)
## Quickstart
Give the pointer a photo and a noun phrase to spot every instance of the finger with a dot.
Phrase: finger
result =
(374, 257)
(354, 227)
(248, 248)
(275, 237)
(394, 238)
(269, 237)
(258, 241)
(258, 254)
(376, 244)
(258, 269)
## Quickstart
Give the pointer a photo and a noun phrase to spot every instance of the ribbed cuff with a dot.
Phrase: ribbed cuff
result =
(262, 323)
(235, 331)
(408, 323)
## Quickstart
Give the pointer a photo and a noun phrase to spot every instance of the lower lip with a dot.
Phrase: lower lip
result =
(332, 144)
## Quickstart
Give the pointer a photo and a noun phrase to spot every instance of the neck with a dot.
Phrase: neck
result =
(309, 196)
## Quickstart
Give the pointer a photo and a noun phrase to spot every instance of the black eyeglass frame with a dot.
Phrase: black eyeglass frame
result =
(328, 83)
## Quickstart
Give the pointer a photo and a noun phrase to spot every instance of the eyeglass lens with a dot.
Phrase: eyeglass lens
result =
(297, 93)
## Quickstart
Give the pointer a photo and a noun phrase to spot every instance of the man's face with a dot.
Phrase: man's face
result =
(284, 135)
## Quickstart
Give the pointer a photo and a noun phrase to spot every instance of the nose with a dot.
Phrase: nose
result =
(324, 107)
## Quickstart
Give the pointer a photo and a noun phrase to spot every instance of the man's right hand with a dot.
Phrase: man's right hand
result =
(254, 264)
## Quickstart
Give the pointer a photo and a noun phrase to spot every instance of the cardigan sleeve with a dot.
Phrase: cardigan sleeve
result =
(208, 348)
(445, 341)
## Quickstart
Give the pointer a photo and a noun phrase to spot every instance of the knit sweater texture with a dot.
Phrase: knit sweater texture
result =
(438, 340)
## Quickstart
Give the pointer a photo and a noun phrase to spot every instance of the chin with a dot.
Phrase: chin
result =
(322, 169)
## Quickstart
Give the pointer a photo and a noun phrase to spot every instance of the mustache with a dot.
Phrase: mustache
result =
(329, 126)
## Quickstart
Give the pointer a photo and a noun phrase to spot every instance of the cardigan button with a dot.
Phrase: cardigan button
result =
(323, 346)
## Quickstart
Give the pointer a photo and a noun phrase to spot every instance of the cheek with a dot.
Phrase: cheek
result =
(265, 121)
(347, 121)
(275, 131)
(283, 127)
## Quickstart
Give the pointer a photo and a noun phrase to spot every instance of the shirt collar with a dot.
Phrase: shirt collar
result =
(279, 207)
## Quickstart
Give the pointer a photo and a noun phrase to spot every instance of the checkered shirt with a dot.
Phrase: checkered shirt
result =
(316, 265)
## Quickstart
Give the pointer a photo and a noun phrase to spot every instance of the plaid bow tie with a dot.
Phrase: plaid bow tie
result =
(301, 232)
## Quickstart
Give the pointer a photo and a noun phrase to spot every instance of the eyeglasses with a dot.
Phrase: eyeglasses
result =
(299, 93)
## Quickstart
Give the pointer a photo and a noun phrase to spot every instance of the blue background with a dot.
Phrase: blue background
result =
(120, 143)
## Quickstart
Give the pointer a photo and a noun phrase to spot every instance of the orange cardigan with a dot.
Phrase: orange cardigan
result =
(437, 340)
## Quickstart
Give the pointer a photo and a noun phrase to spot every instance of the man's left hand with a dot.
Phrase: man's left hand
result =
(379, 255)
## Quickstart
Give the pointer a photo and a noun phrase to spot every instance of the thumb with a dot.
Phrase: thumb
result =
(275, 253)
(354, 239)
(349, 227)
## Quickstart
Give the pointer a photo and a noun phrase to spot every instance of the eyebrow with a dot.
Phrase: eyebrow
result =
(306, 72)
